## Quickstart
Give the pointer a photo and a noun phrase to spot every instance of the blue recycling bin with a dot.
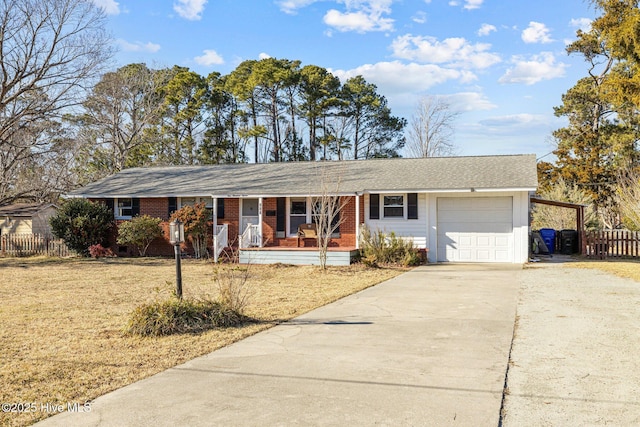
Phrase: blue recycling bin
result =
(549, 237)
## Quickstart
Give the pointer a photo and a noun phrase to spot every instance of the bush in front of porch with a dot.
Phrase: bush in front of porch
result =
(380, 248)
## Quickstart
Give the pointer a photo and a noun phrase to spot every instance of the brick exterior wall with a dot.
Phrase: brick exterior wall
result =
(159, 208)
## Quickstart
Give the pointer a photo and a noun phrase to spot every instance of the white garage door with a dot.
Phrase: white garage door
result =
(475, 229)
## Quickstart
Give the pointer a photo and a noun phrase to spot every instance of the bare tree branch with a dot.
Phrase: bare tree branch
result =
(431, 129)
(50, 51)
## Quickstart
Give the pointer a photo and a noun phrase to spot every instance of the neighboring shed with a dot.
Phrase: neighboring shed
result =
(26, 218)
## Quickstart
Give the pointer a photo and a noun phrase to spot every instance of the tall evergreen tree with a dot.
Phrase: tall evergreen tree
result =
(602, 108)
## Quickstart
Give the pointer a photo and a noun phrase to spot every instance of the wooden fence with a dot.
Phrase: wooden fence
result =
(32, 244)
(612, 243)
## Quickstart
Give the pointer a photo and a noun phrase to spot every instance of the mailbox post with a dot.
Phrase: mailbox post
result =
(176, 238)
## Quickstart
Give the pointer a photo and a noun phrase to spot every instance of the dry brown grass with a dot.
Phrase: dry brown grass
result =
(61, 338)
(621, 268)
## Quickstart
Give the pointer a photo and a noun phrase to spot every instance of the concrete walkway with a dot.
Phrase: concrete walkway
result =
(429, 347)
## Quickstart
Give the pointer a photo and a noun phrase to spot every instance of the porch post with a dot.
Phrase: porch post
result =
(260, 219)
(357, 221)
(215, 229)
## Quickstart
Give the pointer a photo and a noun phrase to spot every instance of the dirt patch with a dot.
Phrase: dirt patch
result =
(574, 357)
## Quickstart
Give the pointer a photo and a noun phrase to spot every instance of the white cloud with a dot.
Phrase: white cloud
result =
(473, 4)
(420, 17)
(536, 32)
(138, 46)
(486, 29)
(469, 101)
(190, 9)
(263, 55)
(209, 57)
(537, 68)
(361, 16)
(512, 122)
(360, 22)
(468, 4)
(292, 6)
(583, 24)
(455, 51)
(110, 7)
(399, 78)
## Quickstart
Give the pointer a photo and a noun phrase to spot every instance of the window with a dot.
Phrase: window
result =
(393, 206)
(187, 201)
(297, 214)
(335, 221)
(125, 208)
(208, 205)
(208, 201)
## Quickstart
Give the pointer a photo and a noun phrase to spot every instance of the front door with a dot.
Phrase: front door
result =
(248, 213)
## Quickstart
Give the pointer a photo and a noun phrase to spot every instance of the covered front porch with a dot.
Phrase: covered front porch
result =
(264, 229)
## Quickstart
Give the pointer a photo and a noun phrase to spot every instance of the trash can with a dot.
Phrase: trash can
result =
(568, 242)
(549, 237)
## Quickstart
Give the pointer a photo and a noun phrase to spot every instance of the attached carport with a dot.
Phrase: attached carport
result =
(579, 218)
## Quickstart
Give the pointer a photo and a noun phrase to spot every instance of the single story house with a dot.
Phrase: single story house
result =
(26, 218)
(460, 209)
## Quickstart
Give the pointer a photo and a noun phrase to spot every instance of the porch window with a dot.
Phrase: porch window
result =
(187, 201)
(297, 214)
(315, 217)
(208, 205)
(393, 206)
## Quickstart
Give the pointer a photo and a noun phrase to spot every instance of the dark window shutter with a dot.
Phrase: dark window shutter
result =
(109, 203)
(281, 214)
(412, 206)
(173, 205)
(135, 207)
(374, 206)
(220, 208)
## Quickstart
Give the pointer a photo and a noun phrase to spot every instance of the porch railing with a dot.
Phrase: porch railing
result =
(221, 240)
(250, 237)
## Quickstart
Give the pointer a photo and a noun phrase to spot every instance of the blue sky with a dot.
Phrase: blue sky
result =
(501, 64)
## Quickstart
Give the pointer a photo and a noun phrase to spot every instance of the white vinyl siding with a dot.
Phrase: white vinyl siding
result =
(415, 230)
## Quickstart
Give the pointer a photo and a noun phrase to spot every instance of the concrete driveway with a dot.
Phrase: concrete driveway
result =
(574, 360)
(429, 347)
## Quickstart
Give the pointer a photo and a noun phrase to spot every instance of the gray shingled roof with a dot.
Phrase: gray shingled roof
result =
(23, 209)
(305, 178)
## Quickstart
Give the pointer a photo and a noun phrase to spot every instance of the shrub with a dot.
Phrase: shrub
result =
(98, 251)
(81, 224)
(195, 219)
(179, 316)
(233, 289)
(377, 247)
(139, 232)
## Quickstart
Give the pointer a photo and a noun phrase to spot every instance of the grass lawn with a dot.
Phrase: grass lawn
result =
(621, 268)
(61, 338)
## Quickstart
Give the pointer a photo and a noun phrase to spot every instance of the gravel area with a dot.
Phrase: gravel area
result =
(575, 356)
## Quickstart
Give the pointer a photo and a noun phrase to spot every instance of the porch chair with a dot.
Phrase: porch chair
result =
(307, 231)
